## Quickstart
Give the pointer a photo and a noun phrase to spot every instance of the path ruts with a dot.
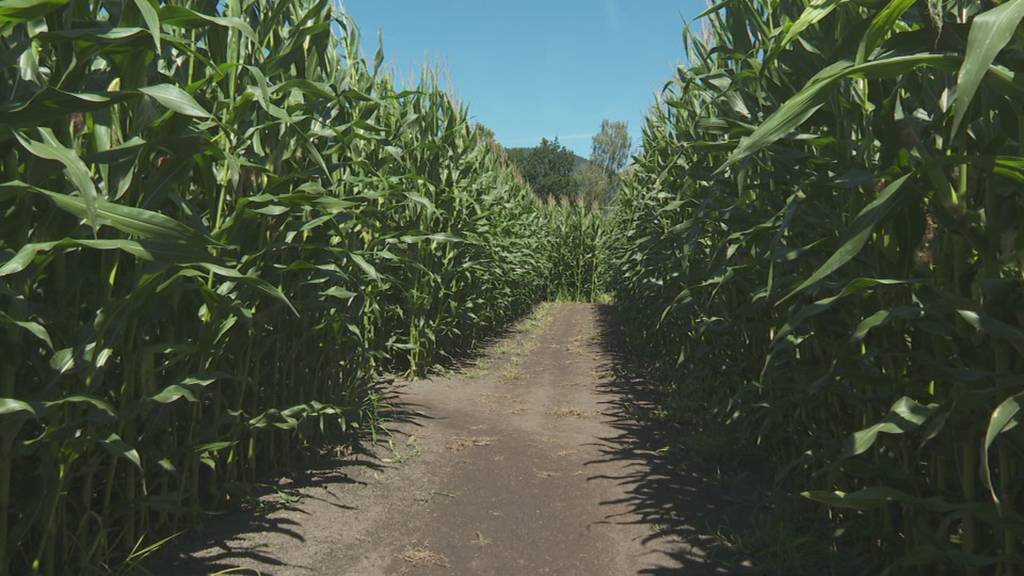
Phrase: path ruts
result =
(526, 462)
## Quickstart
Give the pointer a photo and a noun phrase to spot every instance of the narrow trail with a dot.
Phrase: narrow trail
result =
(525, 462)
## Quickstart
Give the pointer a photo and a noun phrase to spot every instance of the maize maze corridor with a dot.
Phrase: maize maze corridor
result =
(262, 305)
(526, 460)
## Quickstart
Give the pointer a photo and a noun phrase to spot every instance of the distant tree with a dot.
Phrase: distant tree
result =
(547, 168)
(611, 147)
(593, 185)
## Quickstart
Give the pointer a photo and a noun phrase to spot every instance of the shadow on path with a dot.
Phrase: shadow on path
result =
(676, 494)
(224, 540)
(672, 494)
(272, 512)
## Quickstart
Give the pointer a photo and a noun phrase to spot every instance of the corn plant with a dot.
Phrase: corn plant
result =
(574, 236)
(220, 224)
(823, 242)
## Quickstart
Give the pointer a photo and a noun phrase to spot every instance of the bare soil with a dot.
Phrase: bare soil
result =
(530, 460)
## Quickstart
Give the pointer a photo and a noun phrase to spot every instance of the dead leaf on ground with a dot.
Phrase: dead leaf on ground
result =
(459, 443)
(421, 556)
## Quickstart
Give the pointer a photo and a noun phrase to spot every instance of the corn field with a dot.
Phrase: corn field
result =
(823, 241)
(574, 239)
(220, 225)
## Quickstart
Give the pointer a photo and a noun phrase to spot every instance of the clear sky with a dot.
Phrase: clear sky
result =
(537, 68)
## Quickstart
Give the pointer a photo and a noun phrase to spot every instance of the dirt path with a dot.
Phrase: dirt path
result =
(525, 463)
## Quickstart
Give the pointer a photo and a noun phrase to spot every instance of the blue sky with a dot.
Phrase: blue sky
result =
(537, 68)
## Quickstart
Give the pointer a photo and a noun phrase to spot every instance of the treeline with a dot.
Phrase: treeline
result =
(576, 192)
(219, 225)
(556, 173)
(821, 244)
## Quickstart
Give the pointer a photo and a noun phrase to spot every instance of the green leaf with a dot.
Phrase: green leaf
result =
(13, 414)
(9, 406)
(272, 210)
(819, 306)
(103, 36)
(339, 293)
(152, 20)
(50, 104)
(883, 317)
(905, 415)
(187, 18)
(334, 205)
(187, 389)
(176, 100)
(804, 103)
(74, 168)
(83, 399)
(214, 446)
(120, 449)
(881, 26)
(16, 11)
(306, 87)
(812, 14)
(422, 200)
(128, 219)
(273, 417)
(174, 392)
(27, 253)
(367, 268)
(990, 32)
(33, 328)
(1001, 419)
(857, 236)
(261, 284)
